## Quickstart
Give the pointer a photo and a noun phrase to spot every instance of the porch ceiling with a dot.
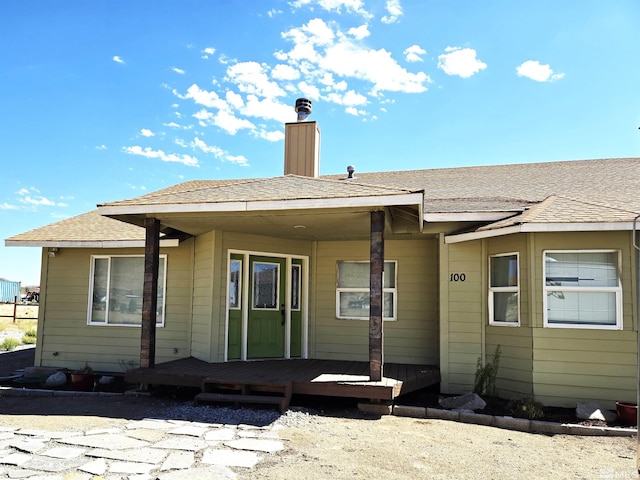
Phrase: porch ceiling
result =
(328, 224)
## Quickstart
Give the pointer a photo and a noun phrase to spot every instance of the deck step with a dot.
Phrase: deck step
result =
(224, 391)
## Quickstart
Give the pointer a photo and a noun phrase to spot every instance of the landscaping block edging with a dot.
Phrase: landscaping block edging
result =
(508, 423)
(511, 423)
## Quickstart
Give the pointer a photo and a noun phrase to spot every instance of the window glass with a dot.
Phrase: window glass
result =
(583, 289)
(352, 292)
(295, 287)
(265, 285)
(116, 294)
(235, 269)
(504, 291)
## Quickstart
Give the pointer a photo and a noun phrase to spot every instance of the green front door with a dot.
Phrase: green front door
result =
(266, 319)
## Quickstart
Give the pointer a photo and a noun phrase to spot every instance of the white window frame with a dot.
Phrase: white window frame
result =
(617, 290)
(509, 289)
(298, 267)
(392, 290)
(161, 305)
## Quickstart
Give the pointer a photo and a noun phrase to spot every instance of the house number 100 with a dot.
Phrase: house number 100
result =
(457, 277)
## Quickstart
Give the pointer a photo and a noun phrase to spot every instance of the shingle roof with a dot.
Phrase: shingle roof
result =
(288, 187)
(591, 191)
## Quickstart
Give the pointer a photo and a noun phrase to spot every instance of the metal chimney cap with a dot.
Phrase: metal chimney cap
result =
(303, 108)
(351, 170)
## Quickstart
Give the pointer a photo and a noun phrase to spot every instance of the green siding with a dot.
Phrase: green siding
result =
(67, 341)
(413, 338)
(558, 366)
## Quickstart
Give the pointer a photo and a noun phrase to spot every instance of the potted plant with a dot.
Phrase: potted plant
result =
(84, 378)
(627, 413)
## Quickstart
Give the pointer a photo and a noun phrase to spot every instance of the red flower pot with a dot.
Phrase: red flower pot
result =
(627, 413)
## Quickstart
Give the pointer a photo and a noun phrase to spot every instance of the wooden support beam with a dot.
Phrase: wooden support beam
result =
(376, 296)
(150, 293)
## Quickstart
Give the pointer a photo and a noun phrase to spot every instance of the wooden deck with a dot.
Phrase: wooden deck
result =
(308, 377)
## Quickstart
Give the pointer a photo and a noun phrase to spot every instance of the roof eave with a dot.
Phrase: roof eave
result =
(265, 205)
(540, 227)
(171, 242)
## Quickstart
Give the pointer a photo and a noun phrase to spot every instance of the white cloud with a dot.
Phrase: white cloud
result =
(460, 61)
(145, 132)
(534, 70)
(356, 6)
(216, 151)
(31, 196)
(171, 125)
(203, 97)
(159, 154)
(237, 159)
(354, 111)
(412, 54)
(395, 11)
(284, 72)
(273, 12)
(252, 78)
(207, 52)
(273, 136)
(349, 98)
(101, 147)
(178, 70)
(308, 90)
(359, 32)
(117, 59)
(7, 206)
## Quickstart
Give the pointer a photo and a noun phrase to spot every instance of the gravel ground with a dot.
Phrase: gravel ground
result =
(342, 443)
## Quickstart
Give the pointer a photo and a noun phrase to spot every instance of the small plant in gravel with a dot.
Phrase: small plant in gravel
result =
(526, 408)
(9, 344)
(485, 379)
(30, 336)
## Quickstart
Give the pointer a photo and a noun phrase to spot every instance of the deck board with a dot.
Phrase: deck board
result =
(308, 376)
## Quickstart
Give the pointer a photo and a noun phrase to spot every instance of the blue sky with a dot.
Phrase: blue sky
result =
(105, 100)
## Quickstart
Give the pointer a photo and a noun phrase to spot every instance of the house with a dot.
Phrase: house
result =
(423, 267)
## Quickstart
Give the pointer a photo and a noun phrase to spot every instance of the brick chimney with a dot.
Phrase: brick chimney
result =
(302, 143)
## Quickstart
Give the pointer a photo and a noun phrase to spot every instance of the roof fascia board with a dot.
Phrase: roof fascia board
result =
(469, 216)
(540, 227)
(172, 242)
(466, 237)
(254, 206)
(577, 227)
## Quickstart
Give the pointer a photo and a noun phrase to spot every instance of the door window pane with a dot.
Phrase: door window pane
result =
(235, 270)
(265, 285)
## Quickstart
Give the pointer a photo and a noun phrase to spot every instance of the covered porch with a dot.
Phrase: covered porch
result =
(332, 378)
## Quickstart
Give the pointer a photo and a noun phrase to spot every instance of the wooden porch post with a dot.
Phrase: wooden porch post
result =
(150, 293)
(376, 297)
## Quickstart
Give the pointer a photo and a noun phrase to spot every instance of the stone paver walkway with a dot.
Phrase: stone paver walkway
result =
(140, 450)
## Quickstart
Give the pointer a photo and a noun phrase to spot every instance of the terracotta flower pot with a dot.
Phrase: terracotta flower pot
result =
(627, 413)
(82, 381)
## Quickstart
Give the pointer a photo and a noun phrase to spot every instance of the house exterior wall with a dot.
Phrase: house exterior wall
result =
(587, 365)
(413, 338)
(65, 339)
(557, 366)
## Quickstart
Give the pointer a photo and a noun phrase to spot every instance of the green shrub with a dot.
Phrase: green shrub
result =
(9, 344)
(526, 408)
(30, 336)
(485, 379)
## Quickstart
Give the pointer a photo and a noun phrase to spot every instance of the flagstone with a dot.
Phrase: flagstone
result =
(269, 446)
(29, 446)
(146, 434)
(209, 472)
(130, 467)
(142, 455)
(220, 434)
(98, 431)
(110, 441)
(49, 464)
(182, 443)
(189, 430)
(63, 452)
(149, 424)
(21, 473)
(96, 467)
(230, 458)
(178, 460)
